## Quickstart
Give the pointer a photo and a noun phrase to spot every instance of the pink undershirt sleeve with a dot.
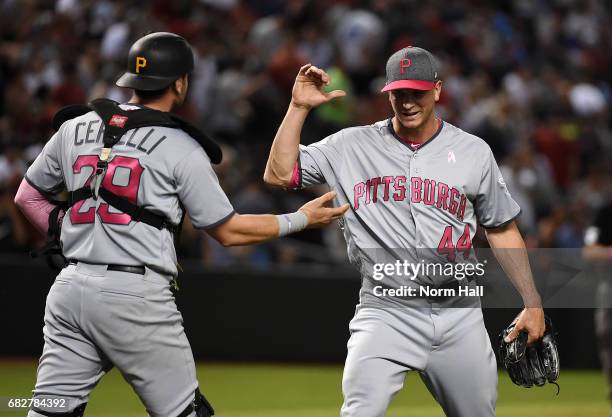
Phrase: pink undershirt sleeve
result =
(296, 176)
(34, 206)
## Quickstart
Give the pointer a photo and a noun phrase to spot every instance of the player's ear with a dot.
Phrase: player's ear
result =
(185, 83)
(180, 86)
(437, 90)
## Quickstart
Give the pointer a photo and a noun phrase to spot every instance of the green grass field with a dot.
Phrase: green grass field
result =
(264, 390)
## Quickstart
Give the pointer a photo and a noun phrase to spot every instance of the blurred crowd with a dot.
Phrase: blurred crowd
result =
(531, 77)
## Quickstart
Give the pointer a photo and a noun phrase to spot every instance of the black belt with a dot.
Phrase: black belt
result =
(140, 270)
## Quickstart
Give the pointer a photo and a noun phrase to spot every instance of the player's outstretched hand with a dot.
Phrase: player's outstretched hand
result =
(531, 320)
(319, 214)
(308, 88)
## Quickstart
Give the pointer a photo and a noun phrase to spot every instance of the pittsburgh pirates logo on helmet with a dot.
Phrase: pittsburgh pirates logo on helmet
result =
(141, 62)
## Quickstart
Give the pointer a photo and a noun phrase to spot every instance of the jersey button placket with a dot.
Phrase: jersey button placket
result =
(414, 169)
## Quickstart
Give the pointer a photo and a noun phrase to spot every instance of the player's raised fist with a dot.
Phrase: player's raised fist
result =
(308, 88)
(319, 214)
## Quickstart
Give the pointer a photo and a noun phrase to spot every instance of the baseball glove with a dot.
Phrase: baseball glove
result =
(531, 365)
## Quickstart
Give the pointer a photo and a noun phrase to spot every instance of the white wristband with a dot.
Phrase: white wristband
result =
(291, 223)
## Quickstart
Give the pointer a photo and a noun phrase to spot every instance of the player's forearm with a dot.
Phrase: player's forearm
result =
(509, 249)
(286, 147)
(247, 229)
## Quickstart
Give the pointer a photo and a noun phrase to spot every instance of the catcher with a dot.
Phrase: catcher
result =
(132, 171)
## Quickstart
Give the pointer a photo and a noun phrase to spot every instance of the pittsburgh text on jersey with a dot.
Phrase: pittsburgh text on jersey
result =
(418, 190)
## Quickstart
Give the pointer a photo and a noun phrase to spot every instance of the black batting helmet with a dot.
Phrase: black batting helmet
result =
(156, 60)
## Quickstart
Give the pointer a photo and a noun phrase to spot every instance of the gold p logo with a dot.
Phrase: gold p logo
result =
(141, 62)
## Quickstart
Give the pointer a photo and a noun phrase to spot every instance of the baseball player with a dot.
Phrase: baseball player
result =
(598, 250)
(113, 305)
(414, 182)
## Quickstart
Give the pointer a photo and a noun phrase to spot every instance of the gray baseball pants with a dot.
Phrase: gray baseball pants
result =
(448, 347)
(96, 319)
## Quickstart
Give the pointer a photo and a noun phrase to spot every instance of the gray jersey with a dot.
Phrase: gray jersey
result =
(154, 167)
(404, 199)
